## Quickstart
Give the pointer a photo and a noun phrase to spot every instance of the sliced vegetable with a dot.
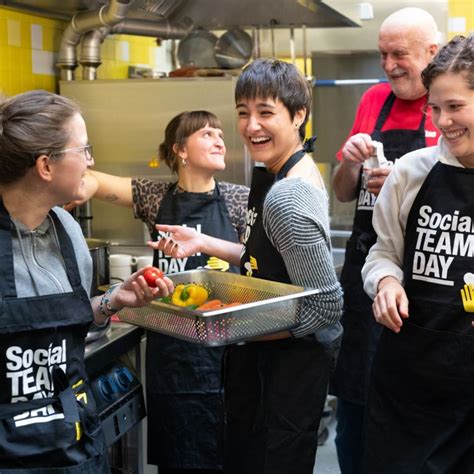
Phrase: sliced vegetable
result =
(210, 305)
(216, 304)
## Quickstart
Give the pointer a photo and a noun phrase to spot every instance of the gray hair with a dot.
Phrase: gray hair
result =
(31, 124)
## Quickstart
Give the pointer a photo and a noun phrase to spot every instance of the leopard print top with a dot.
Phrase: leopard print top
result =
(148, 194)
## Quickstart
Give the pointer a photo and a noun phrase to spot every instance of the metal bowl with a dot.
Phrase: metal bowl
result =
(197, 49)
(233, 49)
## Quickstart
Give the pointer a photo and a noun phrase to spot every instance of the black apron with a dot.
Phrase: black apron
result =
(361, 332)
(274, 391)
(420, 413)
(184, 379)
(47, 411)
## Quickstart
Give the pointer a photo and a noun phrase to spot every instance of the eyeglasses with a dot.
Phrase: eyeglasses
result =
(86, 150)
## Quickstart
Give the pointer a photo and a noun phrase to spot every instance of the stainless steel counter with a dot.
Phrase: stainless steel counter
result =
(119, 339)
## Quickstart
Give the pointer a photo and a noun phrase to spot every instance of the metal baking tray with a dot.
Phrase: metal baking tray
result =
(267, 307)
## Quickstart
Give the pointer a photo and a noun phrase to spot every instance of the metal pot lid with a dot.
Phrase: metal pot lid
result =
(233, 48)
(197, 49)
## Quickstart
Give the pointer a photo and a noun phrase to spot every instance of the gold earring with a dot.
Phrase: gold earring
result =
(184, 162)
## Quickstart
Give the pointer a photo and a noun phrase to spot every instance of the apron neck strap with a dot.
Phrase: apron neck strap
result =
(7, 275)
(67, 250)
(292, 160)
(384, 113)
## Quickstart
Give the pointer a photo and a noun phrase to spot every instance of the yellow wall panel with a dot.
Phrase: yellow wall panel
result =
(16, 63)
(460, 10)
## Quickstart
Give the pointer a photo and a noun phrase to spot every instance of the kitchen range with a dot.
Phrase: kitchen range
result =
(113, 364)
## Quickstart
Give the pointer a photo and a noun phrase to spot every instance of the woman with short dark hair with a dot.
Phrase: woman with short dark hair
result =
(275, 387)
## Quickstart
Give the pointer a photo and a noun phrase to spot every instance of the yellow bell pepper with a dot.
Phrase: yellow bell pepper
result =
(187, 295)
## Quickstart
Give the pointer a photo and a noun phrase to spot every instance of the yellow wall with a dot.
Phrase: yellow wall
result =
(460, 11)
(29, 44)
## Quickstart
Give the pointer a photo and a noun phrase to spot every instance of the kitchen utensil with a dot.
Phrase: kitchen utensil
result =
(99, 250)
(144, 260)
(233, 49)
(197, 48)
(121, 267)
(267, 307)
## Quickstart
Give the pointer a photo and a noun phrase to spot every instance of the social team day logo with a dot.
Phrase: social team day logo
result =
(439, 239)
(29, 373)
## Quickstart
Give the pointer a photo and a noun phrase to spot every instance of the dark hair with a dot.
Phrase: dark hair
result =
(457, 56)
(31, 124)
(275, 79)
(179, 129)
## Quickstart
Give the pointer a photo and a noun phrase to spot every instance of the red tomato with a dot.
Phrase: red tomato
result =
(151, 274)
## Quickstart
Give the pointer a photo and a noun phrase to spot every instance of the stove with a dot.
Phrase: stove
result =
(113, 365)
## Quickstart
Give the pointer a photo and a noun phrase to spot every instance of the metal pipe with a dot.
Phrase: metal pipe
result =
(305, 52)
(346, 82)
(256, 42)
(81, 23)
(292, 44)
(90, 58)
(163, 29)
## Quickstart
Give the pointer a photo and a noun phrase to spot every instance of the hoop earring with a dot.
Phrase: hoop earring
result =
(184, 162)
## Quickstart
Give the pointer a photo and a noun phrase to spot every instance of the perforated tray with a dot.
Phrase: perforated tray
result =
(267, 307)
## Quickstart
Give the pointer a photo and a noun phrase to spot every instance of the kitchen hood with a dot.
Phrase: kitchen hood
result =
(209, 14)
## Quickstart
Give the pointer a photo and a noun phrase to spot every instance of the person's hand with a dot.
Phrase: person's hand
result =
(181, 242)
(390, 304)
(134, 292)
(358, 149)
(90, 188)
(377, 177)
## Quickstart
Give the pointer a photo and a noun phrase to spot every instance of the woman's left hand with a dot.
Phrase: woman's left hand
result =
(134, 292)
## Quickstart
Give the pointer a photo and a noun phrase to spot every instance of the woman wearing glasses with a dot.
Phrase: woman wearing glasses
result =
(47, 412)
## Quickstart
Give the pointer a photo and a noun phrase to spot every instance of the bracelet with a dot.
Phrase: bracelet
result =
(105, 306)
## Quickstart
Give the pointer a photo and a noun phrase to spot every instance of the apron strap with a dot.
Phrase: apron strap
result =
(308, 147)
(292, 160)
(384, 113)
(7, 275)
(67, 250)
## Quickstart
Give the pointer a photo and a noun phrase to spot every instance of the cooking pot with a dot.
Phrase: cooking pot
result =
(233, 49)
(197, 48)
(99, 250)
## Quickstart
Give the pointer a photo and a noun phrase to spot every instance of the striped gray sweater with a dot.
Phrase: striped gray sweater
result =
(295, 218)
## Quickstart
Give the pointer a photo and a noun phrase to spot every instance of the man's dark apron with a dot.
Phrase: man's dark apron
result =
(420, 414)
(47, 411)
(275, 390)
(361, 332)
(183, 379)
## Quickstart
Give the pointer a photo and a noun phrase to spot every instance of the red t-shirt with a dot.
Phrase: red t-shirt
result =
(405, 114)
